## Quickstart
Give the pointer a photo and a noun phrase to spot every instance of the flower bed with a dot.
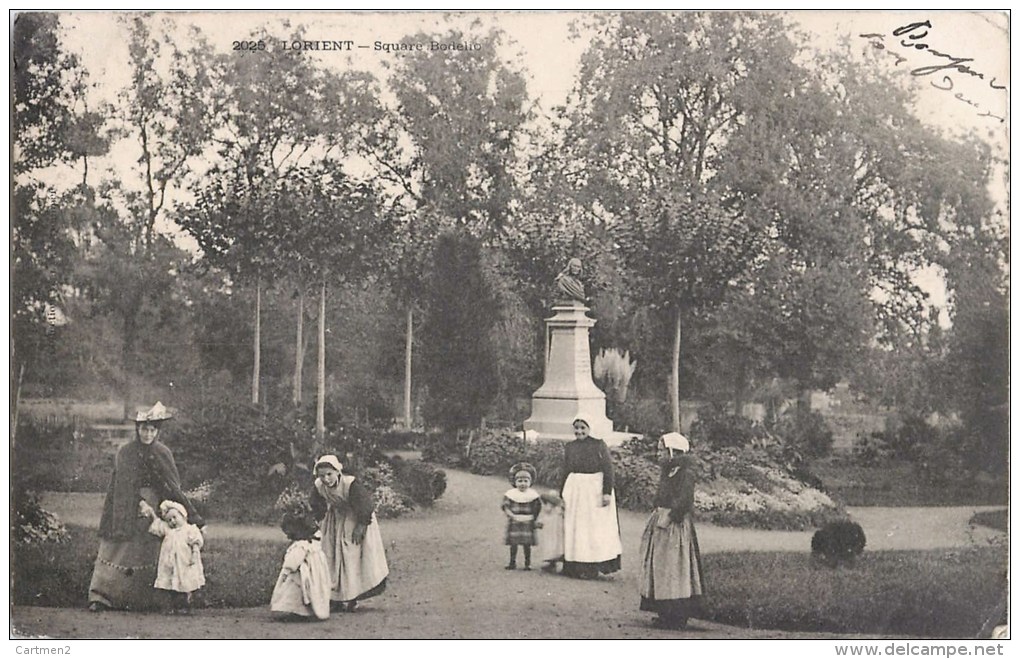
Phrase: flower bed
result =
(746, 486)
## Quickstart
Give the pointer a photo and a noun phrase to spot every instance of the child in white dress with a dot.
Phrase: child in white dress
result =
(179, 569)
(304, 584)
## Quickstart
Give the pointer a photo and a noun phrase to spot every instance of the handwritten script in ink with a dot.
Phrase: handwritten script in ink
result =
(948, 72)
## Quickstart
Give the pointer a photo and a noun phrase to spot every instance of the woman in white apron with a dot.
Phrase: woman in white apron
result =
(350, 535)
(591, 528)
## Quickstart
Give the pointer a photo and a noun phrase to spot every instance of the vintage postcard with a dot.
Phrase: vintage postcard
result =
(506, 325)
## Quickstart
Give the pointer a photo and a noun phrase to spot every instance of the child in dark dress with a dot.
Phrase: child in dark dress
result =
(521, 505)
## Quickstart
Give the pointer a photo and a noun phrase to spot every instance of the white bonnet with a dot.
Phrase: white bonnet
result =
(676, 441)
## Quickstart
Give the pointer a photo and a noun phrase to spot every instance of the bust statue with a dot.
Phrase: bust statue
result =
(568, 282)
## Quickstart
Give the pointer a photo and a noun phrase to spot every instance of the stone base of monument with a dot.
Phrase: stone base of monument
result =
(568, 390)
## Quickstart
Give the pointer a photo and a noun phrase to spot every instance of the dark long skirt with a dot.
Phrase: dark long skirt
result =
(671, 575)
(124, 574)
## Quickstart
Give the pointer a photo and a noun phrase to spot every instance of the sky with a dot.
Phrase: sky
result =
(551, 56)
(960, 99)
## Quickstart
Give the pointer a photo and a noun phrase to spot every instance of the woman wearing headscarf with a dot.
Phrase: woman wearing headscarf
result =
(350, 535)
(671, 577)
(144, 470)
(591, 528)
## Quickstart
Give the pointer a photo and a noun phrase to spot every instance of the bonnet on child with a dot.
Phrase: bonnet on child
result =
(168, 505)
(524, 467)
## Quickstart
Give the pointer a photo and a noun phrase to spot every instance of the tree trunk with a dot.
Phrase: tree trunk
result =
(674, 376)
(299, 348)
(255, 375)
(408, 343)
(17, 403)
(740, 389)
(320, 407)
(127, 355)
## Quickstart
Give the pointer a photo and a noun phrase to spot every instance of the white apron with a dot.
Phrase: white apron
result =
(354, 568)
(591, 531)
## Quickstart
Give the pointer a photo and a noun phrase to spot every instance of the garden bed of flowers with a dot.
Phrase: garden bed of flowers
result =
(750, 486)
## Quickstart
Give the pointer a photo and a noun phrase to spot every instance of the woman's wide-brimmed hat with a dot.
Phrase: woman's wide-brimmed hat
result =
(154, 414)
(168, 505)
(328, 461)
(526, 467)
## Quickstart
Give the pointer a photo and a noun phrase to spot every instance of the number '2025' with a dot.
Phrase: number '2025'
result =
(249, 45)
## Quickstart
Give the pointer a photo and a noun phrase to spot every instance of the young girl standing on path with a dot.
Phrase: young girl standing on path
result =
(521, 505)
(303, 586)
(179, 569)
(350, 535)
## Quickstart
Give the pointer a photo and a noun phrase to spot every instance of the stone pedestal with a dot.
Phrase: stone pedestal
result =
(568, 390)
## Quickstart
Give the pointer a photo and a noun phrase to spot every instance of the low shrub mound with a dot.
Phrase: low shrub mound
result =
(838, 543)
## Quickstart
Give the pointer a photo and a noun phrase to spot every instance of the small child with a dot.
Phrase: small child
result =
(551, 538)
(303, 586)
(521, 505)
(180, 561)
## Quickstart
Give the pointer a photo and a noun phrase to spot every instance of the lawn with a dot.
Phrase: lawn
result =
(911, 593)
(897, 483)
(945, 593)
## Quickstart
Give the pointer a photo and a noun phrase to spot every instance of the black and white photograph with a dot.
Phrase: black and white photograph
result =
(625, 325)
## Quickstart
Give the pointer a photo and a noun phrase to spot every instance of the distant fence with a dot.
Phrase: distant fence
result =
(65, 410)
(849, 427)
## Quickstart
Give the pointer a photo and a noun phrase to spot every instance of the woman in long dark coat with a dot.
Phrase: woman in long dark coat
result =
(671, 576)
(144, 470)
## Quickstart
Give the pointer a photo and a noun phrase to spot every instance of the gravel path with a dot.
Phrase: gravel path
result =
(447, 579)
(472, 502)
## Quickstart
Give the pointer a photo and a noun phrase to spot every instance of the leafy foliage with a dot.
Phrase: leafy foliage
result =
(838, 542)
(460, 368)
(32, 523)
(805, 431)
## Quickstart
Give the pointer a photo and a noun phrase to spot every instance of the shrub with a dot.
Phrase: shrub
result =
(32, 523)
(837, 543)
(61, 457)
(716, 428)
(910, 437)
(939, 461)
(871, 450)
(805, 431)
(443, 448)
(390, 503)
(242, 438)
(402, 440)
(547, 458)
(423, 482)
(636, 479)
(494, 451)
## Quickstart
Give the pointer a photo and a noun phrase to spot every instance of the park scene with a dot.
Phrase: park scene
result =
(318, 319)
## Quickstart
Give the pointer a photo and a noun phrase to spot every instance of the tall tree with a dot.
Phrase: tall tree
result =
(167, 109)
(464, 117)
(269, 126)
(49, 226)
(333, 226)
(460, 363)
(657, 99)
